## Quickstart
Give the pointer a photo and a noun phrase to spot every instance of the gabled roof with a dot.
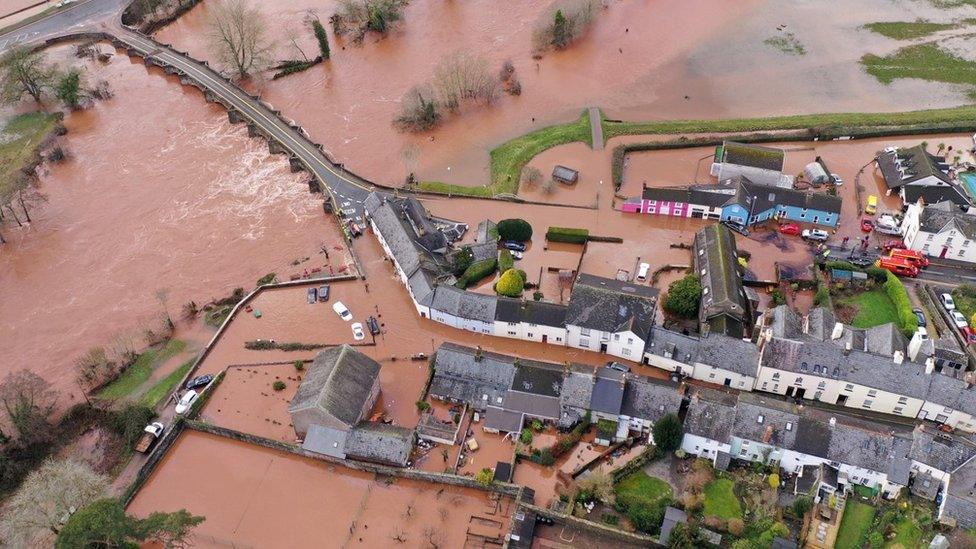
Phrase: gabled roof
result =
(960, 501)
(673, 345)
(325, 440)
(755, 156)
(766, 420)
(380, 443)
(944, 452)
(467, 374)
(538, 378)
(463, 304)
(504, 420)
(729, 353)
(716, 265)
(933, 194)
(711, 415)
(945, 216)
(339, 383)
(786, 323)
(758, 198)
(577, 387)
(906, 165)
(610, 305)
(608, 391)
(531, 312)
(650, 399)
(713, 196)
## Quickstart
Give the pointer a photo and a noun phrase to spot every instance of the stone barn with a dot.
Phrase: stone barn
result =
(338, 391)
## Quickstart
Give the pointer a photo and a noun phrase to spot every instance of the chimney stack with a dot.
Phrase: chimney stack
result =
(838, 331)
(833, 421)
(899, 357)
(768, 434)
(930, 365)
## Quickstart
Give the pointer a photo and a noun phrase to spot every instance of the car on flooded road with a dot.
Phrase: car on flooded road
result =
(737, 228)
(357, 331)
(817, 235)
(324, 292)
(199, 381)
(342, 311)
(513, 246)
(789, 228)
(867, 225)
(373, 325)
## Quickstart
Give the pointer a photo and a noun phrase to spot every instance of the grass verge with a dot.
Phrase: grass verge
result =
(20, 139)
(874, 308)
(165, 386)
(855, 525)
(907, 30)
(720, 500)
(139, 371)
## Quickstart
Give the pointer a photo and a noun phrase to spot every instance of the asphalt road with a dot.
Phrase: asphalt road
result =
(81, 16)
(942, 274)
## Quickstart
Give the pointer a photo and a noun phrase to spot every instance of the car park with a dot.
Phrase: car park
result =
(514, 246)
(920, 315)
(373, 325)
(947, 302)
(818, 235)
(324, 292)
(186, 402)
(357, 331)
(790, 229)
(199, 381)
(958, 319)
(342, 311)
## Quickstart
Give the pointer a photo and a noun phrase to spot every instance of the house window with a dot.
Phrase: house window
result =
(925, 248)
(760, 419)
(559, 339)
(822, 385)
(799, 381)
(941, 418)
(962, 253)
(867, 404)
(949, 241)
(584, 342)
(903, 400)
(849, 387)
(529, 334)
(711, 375)
(511, 333)
(616, 337)
(764, 385)
(775, 375)
(965, 243)
(625, 351)
(584, 332)
(630, 341)
(872, 393)
(899, 410)
(817, 395)
(930, 237)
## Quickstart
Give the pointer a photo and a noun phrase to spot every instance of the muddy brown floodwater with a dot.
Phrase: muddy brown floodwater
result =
(160, 193)
(257, 497)
(641, 60)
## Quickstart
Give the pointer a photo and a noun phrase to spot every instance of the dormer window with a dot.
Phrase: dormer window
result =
(760, 419)
(789, 425)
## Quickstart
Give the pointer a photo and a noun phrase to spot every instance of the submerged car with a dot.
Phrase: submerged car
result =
(199, 381)
(357, 331)
(790, 229)
(342, 311)
(186, 402)
(514, 246)
(815, 234)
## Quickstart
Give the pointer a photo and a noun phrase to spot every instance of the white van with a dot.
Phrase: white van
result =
(642, 272)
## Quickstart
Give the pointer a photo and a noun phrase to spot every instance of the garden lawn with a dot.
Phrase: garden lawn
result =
(720, 500)
(874, 308)
(640, 488)
(855, 525)
(139, 371)
(907, 535)
(166, 385)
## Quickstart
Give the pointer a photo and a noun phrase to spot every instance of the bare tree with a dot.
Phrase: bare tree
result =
(419, 110)
(90, 367)
(47, 498)
(462, 76)
(25, 71)
(531, 176)
(238, 35)
(292, 35)
(28, 400)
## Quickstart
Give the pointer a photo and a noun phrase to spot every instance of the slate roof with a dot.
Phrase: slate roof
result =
(729, 353)
(960, 499)
(483, 251)
(713, 196)
(711, 415)
(459, 376)
(884, 340)
(610, 305)
(933, 194)
(716, 264)
(533, 405)
(380, 443)
(500, 419)
(756, 156)
(398, 236)
(538, 378)
(531, 312)
(673, 345)
(916, 163)
(462, 304)
(953, 393)
(786, 323)
(422, 287)
(758, 198)
(577, 388)
(936, 218)
(325, 440)
(650, 399)
(339, 382)
(484, 228)
(608, 391)
(944, 453)
(672, 517)
(764, 420)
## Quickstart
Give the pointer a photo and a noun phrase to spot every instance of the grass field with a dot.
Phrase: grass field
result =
(640, 488)
(19, 141)
(873, 308)
(907, 30)
(138, 373)
(720, 500)
(165, 386)
(923, 61)
(855, 525)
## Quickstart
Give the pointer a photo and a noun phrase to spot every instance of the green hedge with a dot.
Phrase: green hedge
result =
(476, 272)
(567, 234)
(505, 261)
(899, 296)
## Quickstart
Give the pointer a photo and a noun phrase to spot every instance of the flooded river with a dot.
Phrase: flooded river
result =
(160, 193)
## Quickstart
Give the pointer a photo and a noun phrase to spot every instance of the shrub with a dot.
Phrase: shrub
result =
(530, 176)
(736, 527)
(464, 77)
(778, 298)
(462, 259)
(299, 365)
(567, 234)
(877, 273)
(537, 425)
(560, 28)
(419, 110)
(322, 38)
(822, 296)
(505, 260)
(610, 520)
(549, 186)
(801, 505)
(683, 297)
(358, 17)
(423, 406)
(667, 433)
(266, 279)
(646, 519)
(773, 480)
(485, 477)
(526, 436)
(518, 230)
(476, 272)
(510, 284)
(537, 296)
(907, 320)
(278, 385)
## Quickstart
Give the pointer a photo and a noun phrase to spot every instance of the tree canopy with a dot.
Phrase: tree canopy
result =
(24, 71)
(105, 523)
(238, 35)
(668, 432)
(518, 230)
(510, 284)
(683, 297)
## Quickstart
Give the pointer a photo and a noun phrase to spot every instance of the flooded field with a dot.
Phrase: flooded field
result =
(256, 497)
(640, 60)
(152, 209)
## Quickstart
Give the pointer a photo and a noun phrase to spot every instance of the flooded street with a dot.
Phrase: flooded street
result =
(651, 59)
(161, 193)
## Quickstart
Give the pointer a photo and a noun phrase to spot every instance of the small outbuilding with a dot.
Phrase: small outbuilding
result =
(565, 175)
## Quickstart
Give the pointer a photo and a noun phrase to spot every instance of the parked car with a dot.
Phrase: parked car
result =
(324, 292)
(958, 319)
(836, 179)
(186, 401)
(342, 311)
(373, 325)
(815, 234)
(947, 302)
(887, 224)
(920, 315)
(199, 381)
(893, 244)
(642, 271)
(149, 437)
(969, 335)
(513, 246)
(614, 365)
(789, 228)
(354, 228)
(872, 207)
(517, 254)
(312, 295)
(737, 228)
(861, 260)
(357, 331)
(867, 225)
